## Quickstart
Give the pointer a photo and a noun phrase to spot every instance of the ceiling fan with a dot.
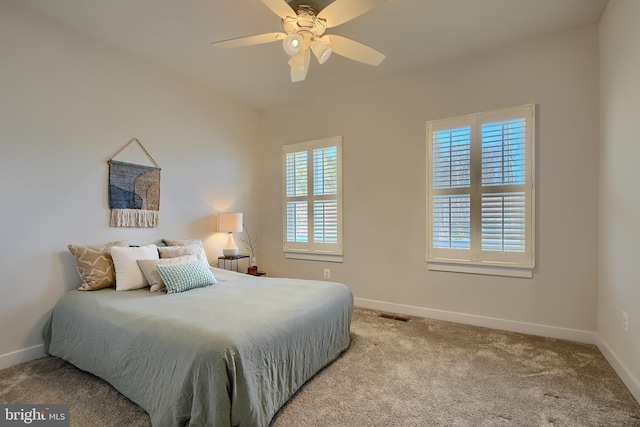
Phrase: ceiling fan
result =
(304, 32)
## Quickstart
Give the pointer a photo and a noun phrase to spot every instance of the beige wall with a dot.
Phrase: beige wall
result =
(67, 104)
(383, 126)
(619, 181)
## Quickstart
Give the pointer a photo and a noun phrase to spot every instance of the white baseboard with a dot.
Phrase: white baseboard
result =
(485, 322)
(621, 369)
(20, 356)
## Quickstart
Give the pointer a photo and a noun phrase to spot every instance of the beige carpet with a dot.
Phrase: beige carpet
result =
(416, 373)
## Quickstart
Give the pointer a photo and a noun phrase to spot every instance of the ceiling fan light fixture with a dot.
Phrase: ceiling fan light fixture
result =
(292, 45)
(321, 51)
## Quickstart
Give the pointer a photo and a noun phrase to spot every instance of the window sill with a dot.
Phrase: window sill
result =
(313, 256)
(490, 270)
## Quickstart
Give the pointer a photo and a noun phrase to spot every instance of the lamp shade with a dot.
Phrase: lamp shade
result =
(292, 45)
(321, 51)
(230, 222)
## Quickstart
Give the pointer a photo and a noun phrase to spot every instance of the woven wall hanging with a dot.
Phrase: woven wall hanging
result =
(134, 192)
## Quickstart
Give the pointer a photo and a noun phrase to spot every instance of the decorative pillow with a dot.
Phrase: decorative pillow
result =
(176, 251)
(128, 274)
(189, 242)
(186, 276)
(95, 265)
(148, 267)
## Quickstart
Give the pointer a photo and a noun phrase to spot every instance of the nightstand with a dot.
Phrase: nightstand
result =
(231, 259)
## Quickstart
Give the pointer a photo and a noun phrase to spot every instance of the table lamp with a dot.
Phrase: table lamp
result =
(230, 222)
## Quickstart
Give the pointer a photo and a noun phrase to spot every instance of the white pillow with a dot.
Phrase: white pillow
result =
(128, 274)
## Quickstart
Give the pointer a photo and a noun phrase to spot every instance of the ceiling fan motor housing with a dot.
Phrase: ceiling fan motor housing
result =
(302, 30)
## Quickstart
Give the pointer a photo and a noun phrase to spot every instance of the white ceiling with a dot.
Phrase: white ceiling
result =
(177, 34)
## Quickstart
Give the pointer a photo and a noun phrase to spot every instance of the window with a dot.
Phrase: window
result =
(313, 199)
(480, 184)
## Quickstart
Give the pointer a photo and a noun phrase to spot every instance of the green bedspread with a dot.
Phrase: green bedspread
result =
(226, 355)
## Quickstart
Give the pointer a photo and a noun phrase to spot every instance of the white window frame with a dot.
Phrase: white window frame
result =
(311, 250)
(475, 260)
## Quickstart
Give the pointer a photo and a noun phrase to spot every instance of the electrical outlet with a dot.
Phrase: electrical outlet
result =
(625, 321)
(327, 273)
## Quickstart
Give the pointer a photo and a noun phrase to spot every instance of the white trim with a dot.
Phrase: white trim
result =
(313, 256)
(482, 321)
(20, 356)
(491, 270)
(632, 383)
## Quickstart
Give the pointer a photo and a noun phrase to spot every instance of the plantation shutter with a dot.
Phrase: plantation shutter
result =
(313, 197)
(325, 191)
(297, 229)
(480, 188)
(450, 189)
(506, 187)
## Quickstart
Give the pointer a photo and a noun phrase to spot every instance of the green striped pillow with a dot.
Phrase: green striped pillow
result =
(186, 276)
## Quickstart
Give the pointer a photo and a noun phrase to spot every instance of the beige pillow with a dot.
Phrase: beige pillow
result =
(95, 265)
(148, 267)
(189, 242)
(176, 251)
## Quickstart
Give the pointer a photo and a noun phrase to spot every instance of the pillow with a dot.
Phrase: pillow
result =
(189, 242)
(186, 276)
(95, 265)
(128, 274)
(176, 251)
(148, 267)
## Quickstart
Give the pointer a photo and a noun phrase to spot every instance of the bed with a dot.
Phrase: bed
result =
(230, 354)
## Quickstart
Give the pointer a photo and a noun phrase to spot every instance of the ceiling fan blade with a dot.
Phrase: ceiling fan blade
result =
(354, 50)
(251, 40)
(341, 11)
(300, 66)
(280, 8)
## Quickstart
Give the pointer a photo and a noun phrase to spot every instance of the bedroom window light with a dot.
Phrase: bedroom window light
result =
(480, 193)
(312, 205)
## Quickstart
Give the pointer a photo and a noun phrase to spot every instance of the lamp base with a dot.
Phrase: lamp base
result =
(231, 249)
(230, 252)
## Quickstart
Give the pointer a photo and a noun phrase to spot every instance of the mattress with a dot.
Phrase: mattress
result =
(230, 354)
